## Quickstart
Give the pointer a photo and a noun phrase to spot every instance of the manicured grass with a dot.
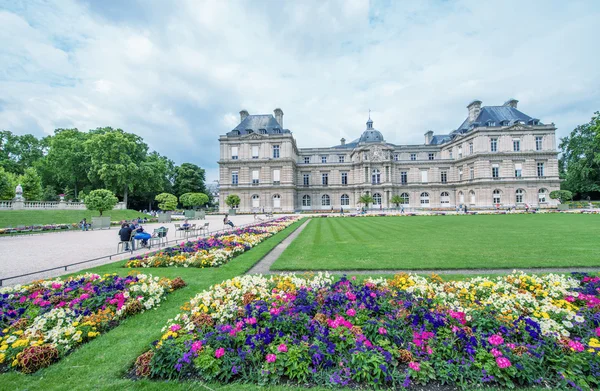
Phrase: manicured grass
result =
(445, 242)
(14, 218)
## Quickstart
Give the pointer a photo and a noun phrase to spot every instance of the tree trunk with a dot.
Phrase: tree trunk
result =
(76, 191)
(125, 195)
(149, 205)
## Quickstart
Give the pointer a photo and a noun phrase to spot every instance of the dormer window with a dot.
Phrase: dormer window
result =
(249, 131)
(534, 121)
(504, 122)
(276, 130)
(491, 123)
(517, 121)
(262, 131)
(236, 132)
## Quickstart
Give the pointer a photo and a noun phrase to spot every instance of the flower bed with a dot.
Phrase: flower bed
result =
(44, 321)
(37, 228)
(513, 330)
(212, 251)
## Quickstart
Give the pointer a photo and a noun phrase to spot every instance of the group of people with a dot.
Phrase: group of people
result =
(84, 225)
(135, 229)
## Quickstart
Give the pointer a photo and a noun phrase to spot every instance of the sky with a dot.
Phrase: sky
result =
(177, 73)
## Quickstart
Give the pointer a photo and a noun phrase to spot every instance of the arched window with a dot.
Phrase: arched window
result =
(405, 198)
(376, 199)
(276, 201)
(461, 197)
(376, 177)
(542, 195)
(519, 196)
(344, 200)
(255, 201)
(424, 198)
(472, 196)
(306, 200)
(496, 196)
(325, 200)
(444, 198)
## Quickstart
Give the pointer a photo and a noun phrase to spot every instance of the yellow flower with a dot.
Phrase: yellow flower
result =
(20, 342)
(18, 332)
(2, 357)
(594, 343)
(93, 334)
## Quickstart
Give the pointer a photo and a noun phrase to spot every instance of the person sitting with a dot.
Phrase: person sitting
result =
(185, 226)
(226, 221)
(142, 236)
(84, 224)
(125, 235)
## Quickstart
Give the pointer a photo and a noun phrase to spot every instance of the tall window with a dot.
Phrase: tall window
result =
(470, 148)
(431, 156)
(459, 152)
(495, 171)
(516, 145)
(461, 197)
(255, 201)
(255, 176)
(405, 198)
(306, 159)
(518, 170)
(234, 153)
(444, 177)
(403, 177)
(306, 179)
(323, 159)
(341, 159)
(306, 200)
(471, 173)
(472, 196)
(519, 196)
(234, 178)
(538, 143)
(493, 144)
(376, 177)
(255, 152)
(451, 157)
(444, 198)
(396, 157)
(496, 196)
(344, 178)
(542, 196)
(460, 172)
(423, 176)
(424, 198)
(540, 169)
(324, 179)
(275, 151)
(276, 177)
(325, 200)
(376, 199)
(276, 201)
(344, 200)
(413, 156)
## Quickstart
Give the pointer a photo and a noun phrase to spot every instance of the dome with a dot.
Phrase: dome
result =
(371, 135)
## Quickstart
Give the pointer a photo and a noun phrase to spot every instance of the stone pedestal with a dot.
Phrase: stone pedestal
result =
(62, 204)
(18, 204)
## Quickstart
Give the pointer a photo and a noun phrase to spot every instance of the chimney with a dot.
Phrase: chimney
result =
(428, 137)
(243, 115)
(343, 141)
(474, 109)
(511, 103)
(279, 116)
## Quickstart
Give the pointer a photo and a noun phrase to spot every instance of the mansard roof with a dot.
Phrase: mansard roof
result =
(496, 115)
(260, 123)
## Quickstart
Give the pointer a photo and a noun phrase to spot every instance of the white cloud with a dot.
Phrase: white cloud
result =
(178, 73)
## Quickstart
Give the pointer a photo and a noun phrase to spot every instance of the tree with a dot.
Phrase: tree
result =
(8, 183)
(101, 200)
(580, 159)
(189, 178)
(19, 152)
(193, 200)
(366, 199)
(49, 194)
(232, 200)
(157, 172)
(396, 200)
(32, 185)
(561, 195)
(166, 201)
(115, 159)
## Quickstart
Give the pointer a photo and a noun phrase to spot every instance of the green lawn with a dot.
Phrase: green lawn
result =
(445, 242)
(14, 218)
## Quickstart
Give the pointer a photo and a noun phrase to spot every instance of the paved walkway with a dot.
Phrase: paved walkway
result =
(29, 253)
(264, 265)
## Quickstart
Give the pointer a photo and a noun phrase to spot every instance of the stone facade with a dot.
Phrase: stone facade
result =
(498, 157)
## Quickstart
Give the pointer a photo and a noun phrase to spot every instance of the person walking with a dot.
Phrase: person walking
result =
(125, 235)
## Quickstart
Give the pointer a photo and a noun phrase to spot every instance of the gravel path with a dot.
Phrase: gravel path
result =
(264, 265)
(448, 271)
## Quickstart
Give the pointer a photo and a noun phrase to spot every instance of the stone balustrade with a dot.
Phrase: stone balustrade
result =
(47, 205)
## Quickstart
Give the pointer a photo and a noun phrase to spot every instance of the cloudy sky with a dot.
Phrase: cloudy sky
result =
(178, 72)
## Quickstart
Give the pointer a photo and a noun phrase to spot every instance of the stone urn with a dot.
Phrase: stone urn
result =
(19, 193)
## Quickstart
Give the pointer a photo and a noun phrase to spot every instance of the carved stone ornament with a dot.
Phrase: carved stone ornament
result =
(517, 127)
(253, 136)
(377, 154)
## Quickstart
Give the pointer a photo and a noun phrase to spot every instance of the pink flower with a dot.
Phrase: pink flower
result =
(56, 285)
(503, 362)
(282, 348)
(373, 294)
(495, 340)
(220, 352)
(382, 331)
(576, 346)
(250, 321)
(495, 352)
(351, 312)
(197, 345)
(175, 327)
(570, 299)
(598, 332)
(271, 358)
(350, 296)
(414, 366)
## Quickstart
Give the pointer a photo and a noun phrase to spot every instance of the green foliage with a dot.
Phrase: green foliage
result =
(189, 178)
(19, 152)
(561, 195)
(101, 200)
(193, 199)
(396, 200)
(8, 183)
(580, 160)
(32, 185)
(166, 201)
(232, 200)
(366, 199)
(49, 194)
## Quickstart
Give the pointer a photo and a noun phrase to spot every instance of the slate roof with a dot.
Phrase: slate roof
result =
(261, 123)
(440, 139)
(496, 114)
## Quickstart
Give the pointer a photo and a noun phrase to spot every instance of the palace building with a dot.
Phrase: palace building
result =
(497, 157)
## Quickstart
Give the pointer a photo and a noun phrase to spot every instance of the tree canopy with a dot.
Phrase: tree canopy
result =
(193, 200)
(366, 199)
(232, 200)
(166, 201)
(101, 200)
(189, 178)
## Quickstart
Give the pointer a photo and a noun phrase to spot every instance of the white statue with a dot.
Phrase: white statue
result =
(19, 193)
